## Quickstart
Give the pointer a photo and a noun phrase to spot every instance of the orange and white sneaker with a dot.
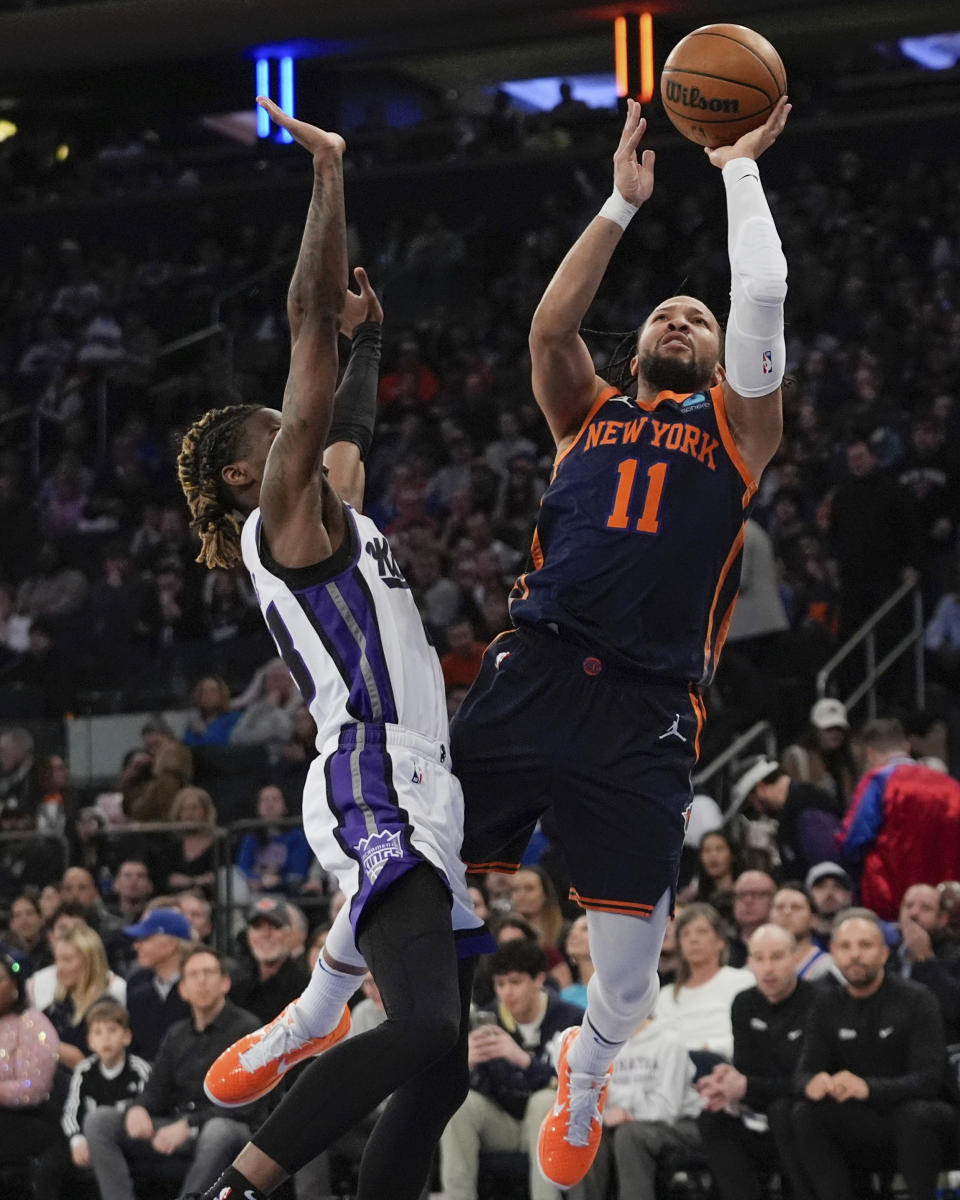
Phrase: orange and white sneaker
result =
(255, 1064)
(570, 1133)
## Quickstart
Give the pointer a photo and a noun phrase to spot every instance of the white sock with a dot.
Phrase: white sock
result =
(320, 1006)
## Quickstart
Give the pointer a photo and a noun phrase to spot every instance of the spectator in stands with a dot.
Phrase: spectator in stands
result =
(830, 889)
(792, 910)
(212, 721)
(928, 477)
(152, 777)
(190, 861)
(824, 756)
(132, 889)
(652, 1107)
(878, 1042)
(499, 454)
(577, 952)
(747, 1122)
(718, 865)
(267, 708)
(109, 1076)
(461, 663)
(513, 1073)
(198, 911)
(759, 619)
(807, 818)
(28, 1060)
(173, 1104)
(903, 826)
(42, 984)
(534, 896)
(925, 955)
(54, 591)
(153, 996)
(942, 637)
(79, 887)
(83, 977)
(27, 928)
(275, 858)
(697, 1003)
(273, 978)
(752, 896)
(19, 786)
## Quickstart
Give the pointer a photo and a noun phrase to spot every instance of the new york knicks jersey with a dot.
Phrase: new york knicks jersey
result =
(638, 542)
(350, 633)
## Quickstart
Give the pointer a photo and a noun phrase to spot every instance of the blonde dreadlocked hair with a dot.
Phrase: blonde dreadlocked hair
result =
(208, 446)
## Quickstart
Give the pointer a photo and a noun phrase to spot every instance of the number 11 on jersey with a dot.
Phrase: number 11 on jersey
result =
(649, 519)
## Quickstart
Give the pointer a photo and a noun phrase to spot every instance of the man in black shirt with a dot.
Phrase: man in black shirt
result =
(872, 1070)
(174, 1120)
(746, 1125)
(274, 977)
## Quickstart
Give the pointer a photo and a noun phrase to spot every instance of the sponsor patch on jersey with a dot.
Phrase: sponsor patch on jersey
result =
(697, 400)
(375, 850)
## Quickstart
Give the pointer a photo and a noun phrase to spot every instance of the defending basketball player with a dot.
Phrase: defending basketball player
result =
(592, 703)
(380, 808)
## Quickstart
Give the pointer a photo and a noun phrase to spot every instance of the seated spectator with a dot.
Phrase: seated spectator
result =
(83, 977)
(534, 897)
(903, 826)
(43, 983)
(747, 1122)
(212, 721)
(152, 776)
(79, 886)
(830, 889)
(132, 889)
(54, 590)
(273, 978)
(925, 955)
(808, 819)
(792, 910)
(461, 663)
(577, 951)
(697, 1004)
(513, 1073)
(189, 861)
(109, 1076)
(274, 859)
(28, 1060)
(267, 708)
(752, 895)
(199, 912)
(824, 756)
(154, 1001)
(19, 797)
(161, 1127)
(28, 932)
(718, 865)
(651, 1107)
(58, 798)
(878, 1042)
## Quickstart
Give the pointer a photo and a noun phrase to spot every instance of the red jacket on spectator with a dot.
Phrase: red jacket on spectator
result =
(905, 822)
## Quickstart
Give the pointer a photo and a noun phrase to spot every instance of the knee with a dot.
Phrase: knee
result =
(429, 1033)
(103, 1124)
(219, 1131)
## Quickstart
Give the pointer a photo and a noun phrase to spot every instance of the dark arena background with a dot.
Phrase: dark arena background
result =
(149, 222)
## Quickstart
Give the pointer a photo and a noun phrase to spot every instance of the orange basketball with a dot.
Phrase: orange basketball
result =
(720, 82)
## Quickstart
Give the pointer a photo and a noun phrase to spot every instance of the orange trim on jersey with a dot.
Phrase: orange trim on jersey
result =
(660, 397)
(607, 394)
(720, 411)
(724, 628)
(628, 908)
(724, 572)
(500, 868)
(536, 551)
(696, 703)
(498, 637)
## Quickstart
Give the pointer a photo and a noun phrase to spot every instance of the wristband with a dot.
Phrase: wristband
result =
(618, 210)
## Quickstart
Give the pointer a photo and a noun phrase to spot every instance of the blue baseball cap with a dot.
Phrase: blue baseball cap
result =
(161, 920)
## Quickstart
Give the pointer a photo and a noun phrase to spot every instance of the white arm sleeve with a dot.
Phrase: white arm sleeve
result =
(755, 354)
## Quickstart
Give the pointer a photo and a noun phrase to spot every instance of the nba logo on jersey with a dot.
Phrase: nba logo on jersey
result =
(767, 362)
(375, 850)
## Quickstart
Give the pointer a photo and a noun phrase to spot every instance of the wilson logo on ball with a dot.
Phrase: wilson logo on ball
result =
(692, 97)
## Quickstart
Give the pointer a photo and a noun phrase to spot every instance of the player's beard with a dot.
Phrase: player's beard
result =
(675, 374)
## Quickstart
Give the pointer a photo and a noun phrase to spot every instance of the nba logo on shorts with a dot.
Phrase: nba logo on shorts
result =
(375, 850)
(768, 362)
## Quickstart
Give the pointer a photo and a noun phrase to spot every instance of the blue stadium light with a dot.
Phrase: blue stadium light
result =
(938, 52)
(286, 93)
(263, 89)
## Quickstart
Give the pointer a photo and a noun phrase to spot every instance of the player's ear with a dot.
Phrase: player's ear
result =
(236, 475)
(719, 375)
(634, 364)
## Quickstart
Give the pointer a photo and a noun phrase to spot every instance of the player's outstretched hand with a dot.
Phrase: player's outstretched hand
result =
(361, 307)
(319, 142)
(753, 144)
(633, 178)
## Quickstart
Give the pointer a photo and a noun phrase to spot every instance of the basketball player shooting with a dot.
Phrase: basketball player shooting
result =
(592, 703)
(281, 491)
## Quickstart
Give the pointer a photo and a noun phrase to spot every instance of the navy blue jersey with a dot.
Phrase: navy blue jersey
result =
(638, 543)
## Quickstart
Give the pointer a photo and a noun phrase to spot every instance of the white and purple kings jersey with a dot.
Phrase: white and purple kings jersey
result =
(350, 633)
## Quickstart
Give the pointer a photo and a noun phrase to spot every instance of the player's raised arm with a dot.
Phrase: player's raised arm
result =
(315, 301)
(355, 403)
(755, 351)
(564, 381)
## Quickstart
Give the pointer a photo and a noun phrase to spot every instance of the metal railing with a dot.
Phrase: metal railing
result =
(867, 635)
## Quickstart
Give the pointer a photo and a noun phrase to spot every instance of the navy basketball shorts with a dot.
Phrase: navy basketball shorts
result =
(548, 722)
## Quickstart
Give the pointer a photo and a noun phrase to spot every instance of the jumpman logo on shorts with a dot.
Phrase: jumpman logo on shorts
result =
(674, 730)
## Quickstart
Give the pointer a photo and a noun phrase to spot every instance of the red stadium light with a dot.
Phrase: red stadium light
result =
(633, 56)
